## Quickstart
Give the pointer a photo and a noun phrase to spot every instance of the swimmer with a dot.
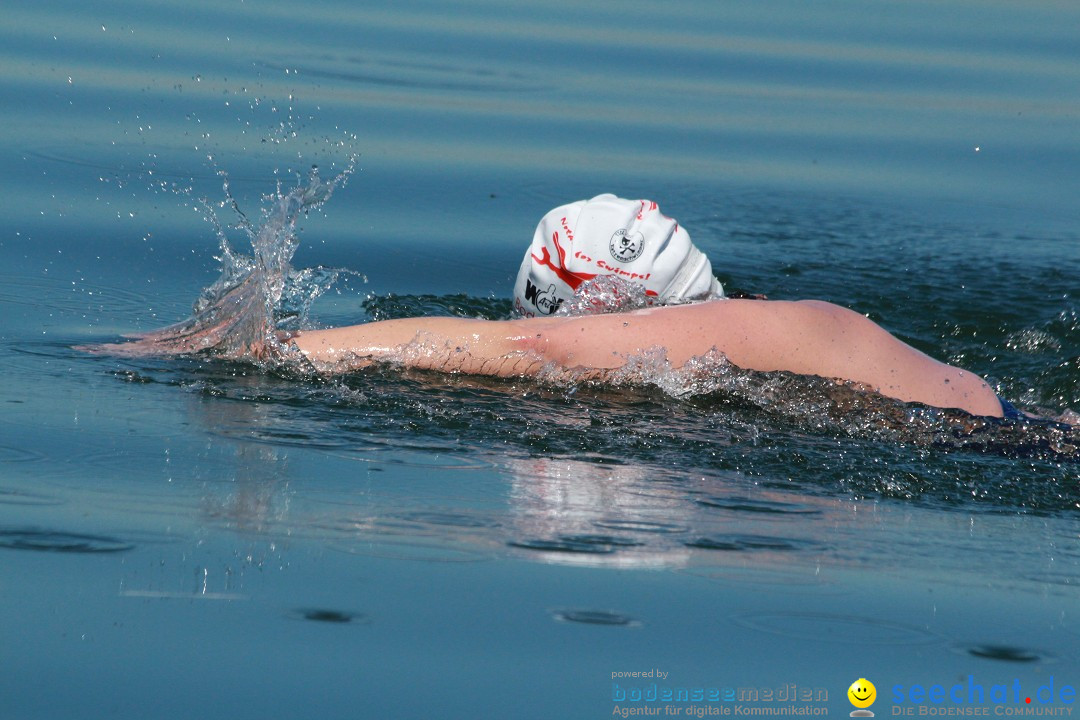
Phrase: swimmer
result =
(687, 316)
(634, 241)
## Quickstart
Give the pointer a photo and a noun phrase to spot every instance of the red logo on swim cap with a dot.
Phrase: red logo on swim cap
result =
(570, 278)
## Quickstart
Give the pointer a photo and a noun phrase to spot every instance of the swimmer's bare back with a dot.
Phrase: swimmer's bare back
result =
(806, 337)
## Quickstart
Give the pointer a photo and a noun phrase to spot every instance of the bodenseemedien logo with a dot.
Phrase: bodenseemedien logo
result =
(862, 695)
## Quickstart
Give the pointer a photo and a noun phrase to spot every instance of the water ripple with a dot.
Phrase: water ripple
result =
(10, 496)
(407, 74)
(13, 454)
(412, 551)
(740, 543)
(59, 541)
(329, 616)
(749, 505)
(74, 296)
(595, 617)
(1005, 653)
(445, 519)
(823, 627)
(771, 579)
(588, 545)
(642, 526)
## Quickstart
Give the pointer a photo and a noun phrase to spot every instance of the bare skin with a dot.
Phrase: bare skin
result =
(807, 337)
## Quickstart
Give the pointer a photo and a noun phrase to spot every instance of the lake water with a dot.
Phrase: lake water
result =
(182, 537)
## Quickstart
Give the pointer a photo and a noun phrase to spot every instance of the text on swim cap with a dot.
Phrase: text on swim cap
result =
(612, 270)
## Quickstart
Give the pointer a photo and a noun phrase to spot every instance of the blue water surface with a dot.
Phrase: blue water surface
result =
(184, 537)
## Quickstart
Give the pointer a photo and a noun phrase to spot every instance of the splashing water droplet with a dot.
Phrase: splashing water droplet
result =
(257, 296)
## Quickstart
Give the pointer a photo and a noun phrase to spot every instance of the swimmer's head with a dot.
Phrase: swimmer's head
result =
(630, 239)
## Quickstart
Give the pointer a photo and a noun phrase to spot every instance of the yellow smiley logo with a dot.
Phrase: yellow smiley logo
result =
(862, 693)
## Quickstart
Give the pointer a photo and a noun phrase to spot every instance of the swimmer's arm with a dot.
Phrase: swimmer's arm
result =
(807, 338)
(478, 347)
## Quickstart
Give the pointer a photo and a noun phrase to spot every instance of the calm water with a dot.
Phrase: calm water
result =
(182, 537)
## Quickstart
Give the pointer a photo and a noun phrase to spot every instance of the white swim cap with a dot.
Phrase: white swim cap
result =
(607, 235)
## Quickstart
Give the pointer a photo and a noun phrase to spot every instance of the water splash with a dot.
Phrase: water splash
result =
(259, 298)
(605, 294)
(612, 294)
